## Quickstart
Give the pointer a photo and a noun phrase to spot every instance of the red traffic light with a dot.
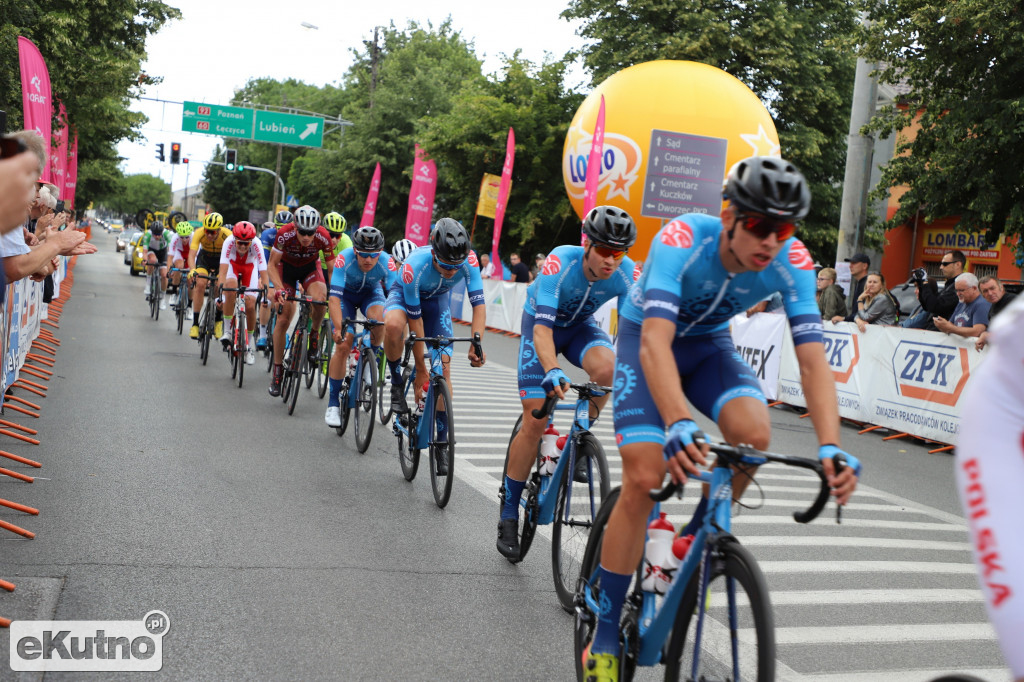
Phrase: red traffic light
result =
(175, 152)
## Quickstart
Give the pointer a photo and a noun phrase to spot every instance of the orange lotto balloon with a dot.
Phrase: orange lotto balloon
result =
(672, 130)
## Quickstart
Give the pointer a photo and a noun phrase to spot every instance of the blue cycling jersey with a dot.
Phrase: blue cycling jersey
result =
(350, 279)
(419, 281)
(268, 236)
(562, 296)
(684, 281)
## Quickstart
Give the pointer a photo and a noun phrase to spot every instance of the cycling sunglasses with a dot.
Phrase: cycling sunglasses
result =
(608, 252)
(242, 245)
(447, 266)
(367, 254)
(762, 227)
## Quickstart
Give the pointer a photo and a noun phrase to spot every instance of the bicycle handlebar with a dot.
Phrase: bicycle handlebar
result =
(437, 342)
(367, 324)
(730, 454)
(585, 391)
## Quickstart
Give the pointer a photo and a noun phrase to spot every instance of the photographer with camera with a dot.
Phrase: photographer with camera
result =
(937, 303)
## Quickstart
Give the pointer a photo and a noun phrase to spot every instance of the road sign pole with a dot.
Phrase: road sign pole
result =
(277, 172)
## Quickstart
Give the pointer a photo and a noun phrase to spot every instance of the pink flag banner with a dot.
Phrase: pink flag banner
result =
(421, 200)
(35, 93)
(503, 190)
(370, 208)
(594, 162)
(71, 178)
(59, 153)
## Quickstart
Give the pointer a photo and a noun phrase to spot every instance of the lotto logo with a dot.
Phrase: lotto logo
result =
(407, 275)
(339, 262)
(678, 234)
(799, 257)
(552, 264)
(392, 265)
(472, 259)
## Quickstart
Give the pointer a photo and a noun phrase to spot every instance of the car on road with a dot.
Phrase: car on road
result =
(122, 240)
(138, 266)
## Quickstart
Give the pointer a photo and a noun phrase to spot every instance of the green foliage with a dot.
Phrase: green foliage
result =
(963, 62)
(796, 56)
(131, 193)
(93, 50)
(230, 194)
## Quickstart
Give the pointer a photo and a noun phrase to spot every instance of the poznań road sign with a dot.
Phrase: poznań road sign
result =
(213, 119)
(253, 124)
(272, 126)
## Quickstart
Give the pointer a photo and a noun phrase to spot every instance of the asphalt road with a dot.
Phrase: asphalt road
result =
(279, 552)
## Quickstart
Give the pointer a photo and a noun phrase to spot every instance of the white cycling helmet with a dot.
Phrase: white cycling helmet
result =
(401, 250)
(307, 219)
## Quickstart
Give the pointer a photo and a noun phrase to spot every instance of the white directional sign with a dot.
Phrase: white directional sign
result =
(684, 174)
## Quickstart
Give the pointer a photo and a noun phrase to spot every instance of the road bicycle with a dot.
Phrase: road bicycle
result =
(295, 363)
(155, 292)
(239, 332)
(268, 350)
(418, 429)
(181, 302)
(719, 582)
(207, 317)
(569, 497)
(383, 390)
(325, 349)
(359, 388)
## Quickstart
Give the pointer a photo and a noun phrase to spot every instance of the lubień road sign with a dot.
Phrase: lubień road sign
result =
(304, 131)
(213, 119)
(253, 124)
(684, 174)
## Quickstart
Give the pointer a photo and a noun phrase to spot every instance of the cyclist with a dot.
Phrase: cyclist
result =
(989, 474)
(356, 284)
(178, 255)
(241, 262)
(268, 236)
(401, 250)
(701, 271)
(204, 259)
(558, 318)
(420, 298)
(294, 259)
(335, 225)
(155, 242)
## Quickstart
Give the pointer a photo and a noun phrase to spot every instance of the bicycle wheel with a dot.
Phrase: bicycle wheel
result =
(585, 621)
(345, 410)
(205, 331)
(298, 364)
(575, 509)
(383, 392)
(269, 351)
(242, 344)
(442, 452)
(366, 400)
(154, 308)
(528, 512)
(182, 305)
(233, 356)
(409, 456)
(326, 350)
(309, 369)
(737, 641)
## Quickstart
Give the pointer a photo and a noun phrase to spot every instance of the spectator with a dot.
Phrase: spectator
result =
(942, 303)
(875, 305)
(520, 273)
(970, 317)
(538, 263)
(994, 292)
(859, 264)
(17, 189)
(831, 301)
(486, 266)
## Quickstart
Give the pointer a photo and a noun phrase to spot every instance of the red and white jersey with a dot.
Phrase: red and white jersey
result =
(294, 253)
(180, 247)
(229, 255)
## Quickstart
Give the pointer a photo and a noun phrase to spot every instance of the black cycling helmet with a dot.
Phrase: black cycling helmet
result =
(368, 238)
(449, 240)
(156, 228)
(610, 226)
(283, 218)
(769, 186)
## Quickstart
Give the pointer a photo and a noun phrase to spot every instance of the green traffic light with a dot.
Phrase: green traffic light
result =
(229, 166)
(240, 168)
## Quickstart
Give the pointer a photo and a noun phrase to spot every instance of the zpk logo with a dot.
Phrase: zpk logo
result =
(843, 354)
(931, 372)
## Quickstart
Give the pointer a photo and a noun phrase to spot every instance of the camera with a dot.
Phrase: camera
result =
(918, 276)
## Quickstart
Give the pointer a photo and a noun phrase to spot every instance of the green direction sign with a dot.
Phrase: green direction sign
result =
(212, 119)
(305, 131)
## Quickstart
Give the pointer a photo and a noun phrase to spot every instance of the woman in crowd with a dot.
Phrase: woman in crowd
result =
(831, 299)
(875, 305)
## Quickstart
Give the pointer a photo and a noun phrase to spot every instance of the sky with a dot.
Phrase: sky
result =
(216, 47)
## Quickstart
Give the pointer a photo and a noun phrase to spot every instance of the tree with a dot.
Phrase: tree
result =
(135, 192)
(963, 63)
(797, 56)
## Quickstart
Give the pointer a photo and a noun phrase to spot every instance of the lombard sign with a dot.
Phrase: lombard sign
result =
(931, 372)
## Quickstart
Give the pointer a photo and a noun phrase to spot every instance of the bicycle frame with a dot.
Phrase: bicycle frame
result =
(547, 499)
(422, 440)
(362, 343)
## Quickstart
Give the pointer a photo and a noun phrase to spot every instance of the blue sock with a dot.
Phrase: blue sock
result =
(334, 399)
(378, 352)
(613, 595)
(513, 493)
(396, 374)
(441, 419)
(698, 518)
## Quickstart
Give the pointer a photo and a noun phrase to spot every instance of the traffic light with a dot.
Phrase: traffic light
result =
(175, 152)
(229, 160)
(185, 160)
(160, 151)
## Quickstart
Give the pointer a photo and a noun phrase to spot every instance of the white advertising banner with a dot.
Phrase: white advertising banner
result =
(843, 350)
(759, 341)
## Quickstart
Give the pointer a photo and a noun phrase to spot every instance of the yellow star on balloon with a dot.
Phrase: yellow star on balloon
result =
(761, 143)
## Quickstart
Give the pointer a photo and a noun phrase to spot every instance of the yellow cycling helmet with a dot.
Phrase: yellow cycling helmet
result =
(213, 221)
(335, 223)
